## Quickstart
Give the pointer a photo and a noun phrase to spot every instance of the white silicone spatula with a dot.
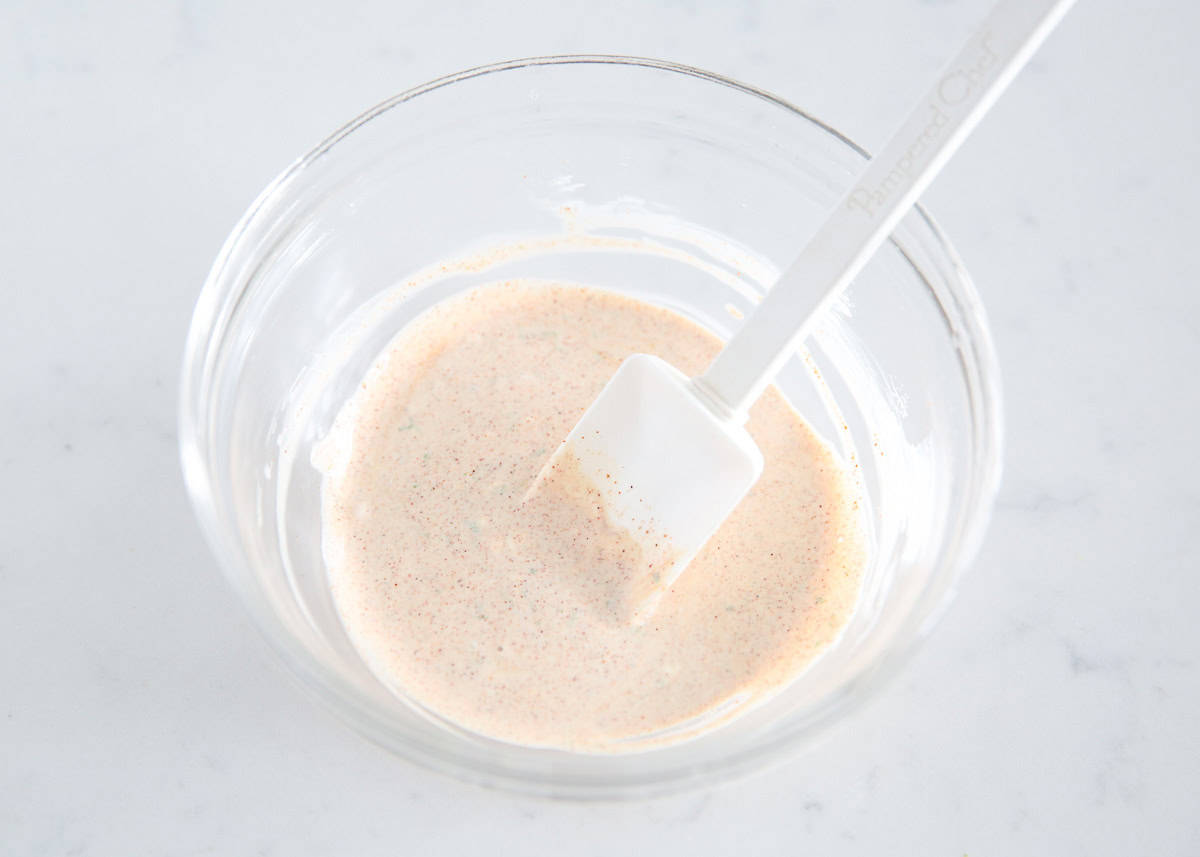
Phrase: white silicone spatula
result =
(669, 456)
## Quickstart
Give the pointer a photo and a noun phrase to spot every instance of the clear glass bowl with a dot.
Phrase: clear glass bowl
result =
(661, 181)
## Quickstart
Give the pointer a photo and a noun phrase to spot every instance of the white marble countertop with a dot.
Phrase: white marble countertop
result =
(1054, 711)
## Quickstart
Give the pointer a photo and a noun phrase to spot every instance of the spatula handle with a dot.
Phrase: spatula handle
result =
(869, 212)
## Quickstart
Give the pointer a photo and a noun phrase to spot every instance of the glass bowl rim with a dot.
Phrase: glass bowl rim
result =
(981, 378)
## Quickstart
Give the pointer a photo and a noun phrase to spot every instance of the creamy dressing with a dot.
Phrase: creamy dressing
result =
(492, 606)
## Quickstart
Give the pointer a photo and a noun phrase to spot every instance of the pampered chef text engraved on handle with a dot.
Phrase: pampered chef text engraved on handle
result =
(887, 188)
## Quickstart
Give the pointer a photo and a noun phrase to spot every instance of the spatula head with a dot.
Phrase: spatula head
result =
(665, 469)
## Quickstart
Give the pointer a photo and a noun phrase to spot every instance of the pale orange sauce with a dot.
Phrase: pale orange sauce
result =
(494, 613)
